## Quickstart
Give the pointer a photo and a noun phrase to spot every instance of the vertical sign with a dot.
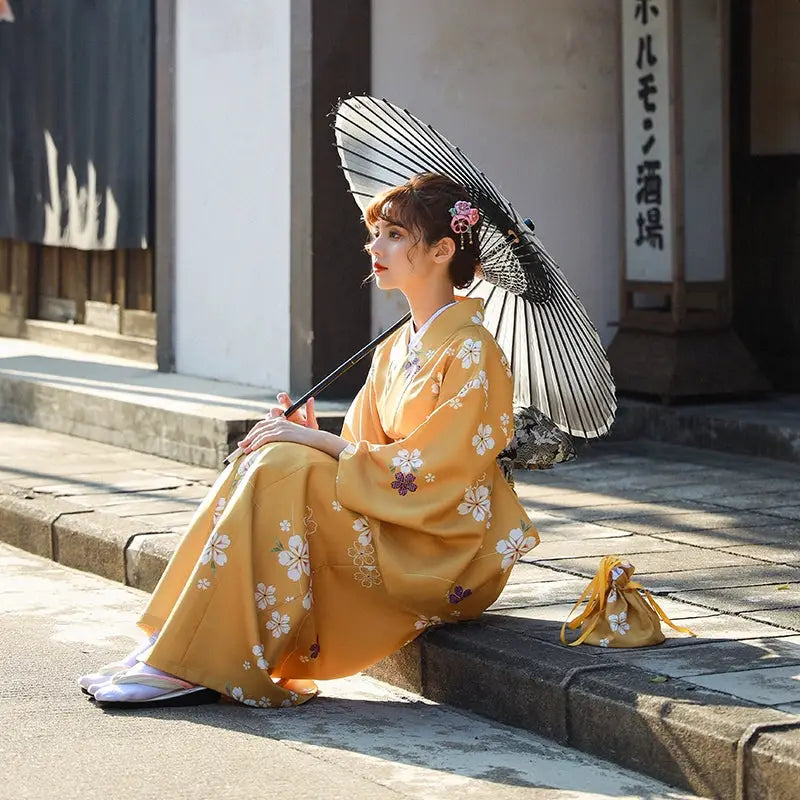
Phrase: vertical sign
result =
(647, 136)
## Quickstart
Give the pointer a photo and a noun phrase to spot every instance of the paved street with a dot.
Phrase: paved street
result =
(362, 739)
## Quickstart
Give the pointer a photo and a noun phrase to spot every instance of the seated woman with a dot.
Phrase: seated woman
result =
(315, 555)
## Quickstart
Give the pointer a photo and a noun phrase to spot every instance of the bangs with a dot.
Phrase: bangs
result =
(395, 206)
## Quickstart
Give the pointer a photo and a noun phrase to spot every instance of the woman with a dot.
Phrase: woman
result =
(315, 555)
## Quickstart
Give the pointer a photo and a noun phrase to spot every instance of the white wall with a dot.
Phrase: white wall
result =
(232, 173)
(530, 91)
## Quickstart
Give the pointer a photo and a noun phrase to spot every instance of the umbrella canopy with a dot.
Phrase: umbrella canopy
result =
(555, 353)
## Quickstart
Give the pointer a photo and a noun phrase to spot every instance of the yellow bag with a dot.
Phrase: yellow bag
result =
(619, 612)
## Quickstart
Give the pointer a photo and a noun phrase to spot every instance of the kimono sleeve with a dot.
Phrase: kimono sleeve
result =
(362, 421)
(423, 481)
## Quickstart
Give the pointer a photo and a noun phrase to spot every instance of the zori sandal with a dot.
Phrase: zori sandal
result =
(124, 691)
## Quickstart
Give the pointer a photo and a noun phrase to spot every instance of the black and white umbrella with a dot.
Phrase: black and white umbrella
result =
(559, 365)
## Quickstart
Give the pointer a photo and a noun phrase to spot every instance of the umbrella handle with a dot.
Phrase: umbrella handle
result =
(340, 370)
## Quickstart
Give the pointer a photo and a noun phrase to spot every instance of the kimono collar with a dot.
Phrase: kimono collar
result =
(465, 311)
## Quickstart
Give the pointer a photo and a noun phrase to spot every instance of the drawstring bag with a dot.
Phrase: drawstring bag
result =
(619, 611)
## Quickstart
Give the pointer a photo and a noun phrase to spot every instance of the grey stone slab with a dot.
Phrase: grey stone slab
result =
(94, 541)
(633, 510)
(630, 544)
(740, 599)
(685, 733)
(701, 659)
(719, 627)
(789, 708)
(666, 523)
(785, 512)
(174, 521)
(782, 617)
(683, 558)
(713, 490)
(563, 529)
(26, 521)
(769, 686)
(774, 765)
(523, 572)
(543, 593)
(777, 534)
(146, 558)
(109, 482)
(759, 501)
(777, 554)
(719, 577)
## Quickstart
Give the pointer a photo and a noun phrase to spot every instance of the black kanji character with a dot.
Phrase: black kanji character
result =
(648, 179)
(650, 229)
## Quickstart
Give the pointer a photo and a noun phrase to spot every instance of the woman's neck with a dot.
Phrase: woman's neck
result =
(424, 307)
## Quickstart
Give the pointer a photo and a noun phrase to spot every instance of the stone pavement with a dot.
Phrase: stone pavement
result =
(715, 537)
(360, 740)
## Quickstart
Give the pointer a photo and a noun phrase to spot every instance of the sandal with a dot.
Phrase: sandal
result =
(176, 692)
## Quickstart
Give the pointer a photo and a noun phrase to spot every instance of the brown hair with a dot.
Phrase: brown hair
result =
(422, 206)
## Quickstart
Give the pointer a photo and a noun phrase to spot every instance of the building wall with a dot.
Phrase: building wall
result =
(532, 96)
(232, 274)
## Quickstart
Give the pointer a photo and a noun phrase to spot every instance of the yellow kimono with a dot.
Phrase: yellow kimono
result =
(298, 566)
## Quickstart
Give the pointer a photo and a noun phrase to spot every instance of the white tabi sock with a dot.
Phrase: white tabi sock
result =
(136, 692)
(93, 680)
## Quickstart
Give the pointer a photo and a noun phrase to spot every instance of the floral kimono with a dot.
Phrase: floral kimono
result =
(297, 566)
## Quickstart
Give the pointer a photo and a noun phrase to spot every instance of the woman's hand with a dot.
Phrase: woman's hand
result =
(275, 429)
(305, 418)
(304, 415)
(301, 428)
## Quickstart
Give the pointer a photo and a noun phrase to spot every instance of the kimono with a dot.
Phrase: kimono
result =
(298, 566)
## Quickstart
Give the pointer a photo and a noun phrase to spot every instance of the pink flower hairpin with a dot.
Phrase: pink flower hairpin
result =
(464, 218)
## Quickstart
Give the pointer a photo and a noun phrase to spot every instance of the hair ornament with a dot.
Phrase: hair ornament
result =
(464, 218)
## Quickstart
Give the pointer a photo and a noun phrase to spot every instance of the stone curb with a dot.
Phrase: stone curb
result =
(697, 740)
(706, 429)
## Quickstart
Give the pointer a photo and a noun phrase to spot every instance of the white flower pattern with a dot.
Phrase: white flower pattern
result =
(483, 441)
(513, 548)
(469, 353)
(203, 584)
(619, 623)
(407, 462)
(265, 595)
(296, 557)
(279, 624)
(214, 550)
(477, 501)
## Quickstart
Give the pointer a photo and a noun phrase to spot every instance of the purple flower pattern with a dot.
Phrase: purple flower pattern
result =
(313, 651)
(404, 483)
(458, 594)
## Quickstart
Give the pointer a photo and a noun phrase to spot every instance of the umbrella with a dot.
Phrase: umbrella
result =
(559, 365)
(560, 368)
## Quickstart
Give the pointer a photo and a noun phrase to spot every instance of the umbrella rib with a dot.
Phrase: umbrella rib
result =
(423, 152)
(367, 145)
(583, 364)
(568, 358)
(552, 331)
(369, 161)
(349, 135)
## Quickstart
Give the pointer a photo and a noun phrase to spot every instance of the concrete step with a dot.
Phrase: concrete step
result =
(132, 405)
(718, 714)
(767, 427)
(90, 340)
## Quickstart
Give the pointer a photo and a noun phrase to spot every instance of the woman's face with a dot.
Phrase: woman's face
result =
(399, 261)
